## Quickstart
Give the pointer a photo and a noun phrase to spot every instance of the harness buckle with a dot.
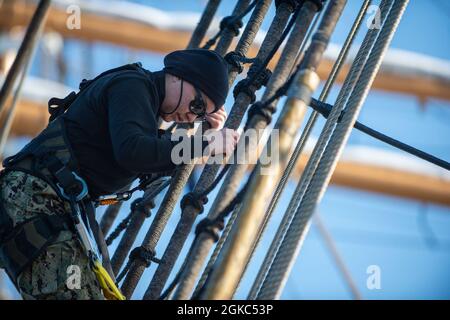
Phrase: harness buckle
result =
(80, 196)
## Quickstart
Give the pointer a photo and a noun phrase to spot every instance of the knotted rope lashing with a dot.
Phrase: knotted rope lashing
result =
(178, 182)
(300, 145)
(135, 206)
(143, 254)
(291, 244)
(189, 213)
(232, 23)
(235, 60)
(291, 49)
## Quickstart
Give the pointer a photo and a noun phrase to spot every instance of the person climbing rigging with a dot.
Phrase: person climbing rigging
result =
(97, 142)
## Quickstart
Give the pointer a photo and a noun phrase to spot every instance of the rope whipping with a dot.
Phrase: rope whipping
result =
(4, 132)
(252, 214)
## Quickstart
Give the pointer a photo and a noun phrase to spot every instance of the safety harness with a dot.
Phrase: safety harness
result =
(49, 156)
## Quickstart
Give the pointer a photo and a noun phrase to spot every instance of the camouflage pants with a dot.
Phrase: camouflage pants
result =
(24, 197)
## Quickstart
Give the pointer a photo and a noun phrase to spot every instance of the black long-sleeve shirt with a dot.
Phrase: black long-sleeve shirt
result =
(113, 130)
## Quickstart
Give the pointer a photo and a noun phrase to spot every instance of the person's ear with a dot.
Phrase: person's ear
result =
(174, 79)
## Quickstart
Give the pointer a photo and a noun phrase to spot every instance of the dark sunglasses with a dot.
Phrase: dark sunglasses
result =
(198, 105)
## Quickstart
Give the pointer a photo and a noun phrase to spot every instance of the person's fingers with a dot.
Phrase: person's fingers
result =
(216, 116)
(220, 115)
(215, 121)
(221, 110)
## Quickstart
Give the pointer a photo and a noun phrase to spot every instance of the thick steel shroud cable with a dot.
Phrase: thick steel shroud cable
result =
(292, 242)
(225, 233)
(189, 214)
(215, 289)
(176, 187)
(348, 85)
(235, 212)
(200, 248)
(253, 216)
(299, 148)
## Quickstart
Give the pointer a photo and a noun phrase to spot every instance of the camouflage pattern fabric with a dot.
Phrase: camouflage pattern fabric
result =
(24, 197)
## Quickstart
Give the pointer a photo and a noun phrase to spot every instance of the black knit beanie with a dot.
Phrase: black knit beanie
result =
(205, 69)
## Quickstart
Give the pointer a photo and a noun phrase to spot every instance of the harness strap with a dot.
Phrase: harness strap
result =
(57, 106)
(28, 241)
(65, 178)
(98, 236)
(73, 189)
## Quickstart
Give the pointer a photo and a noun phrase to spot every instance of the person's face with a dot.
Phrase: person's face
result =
(183, 113)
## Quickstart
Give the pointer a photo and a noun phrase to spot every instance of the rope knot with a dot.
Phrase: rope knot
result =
(265, 110)
(235, 59)
(252, 83)
(232, 23)
(195, 200)
(319, 4)
(211, 227)
(145, 206)
(146, 255)
(243, 87)
(234, 62)
(262, 77)
(292, 4)
(136, 204)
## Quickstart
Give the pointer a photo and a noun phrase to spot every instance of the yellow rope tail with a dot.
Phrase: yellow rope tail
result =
(109, 288)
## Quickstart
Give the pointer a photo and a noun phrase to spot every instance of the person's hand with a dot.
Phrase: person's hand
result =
(222, 141)
(217, 119)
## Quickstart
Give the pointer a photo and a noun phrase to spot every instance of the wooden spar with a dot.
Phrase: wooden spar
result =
(31, 116)
(142, 36)
(387, 181)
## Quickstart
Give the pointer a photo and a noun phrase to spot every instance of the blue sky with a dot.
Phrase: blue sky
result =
(408, 240)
